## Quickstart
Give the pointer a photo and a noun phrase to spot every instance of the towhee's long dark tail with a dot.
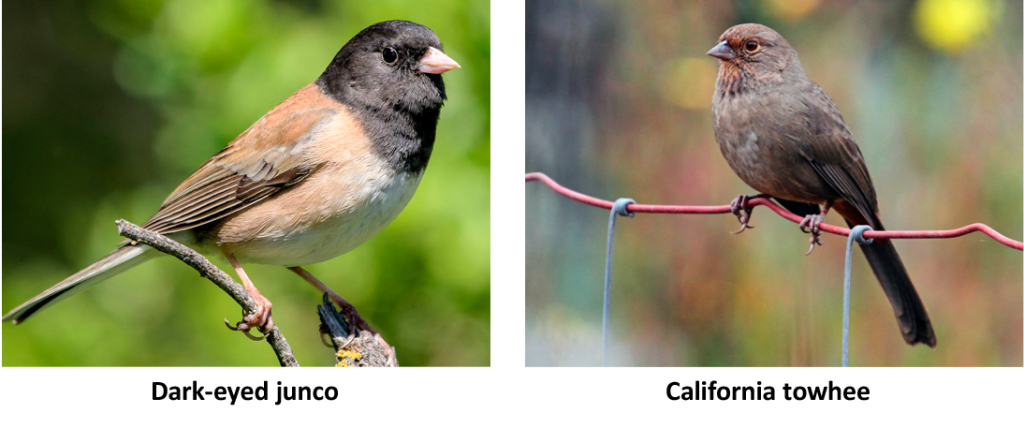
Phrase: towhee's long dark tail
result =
(913, 318)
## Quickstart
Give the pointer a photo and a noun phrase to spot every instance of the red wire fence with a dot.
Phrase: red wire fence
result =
(863, 234)
(782, 212)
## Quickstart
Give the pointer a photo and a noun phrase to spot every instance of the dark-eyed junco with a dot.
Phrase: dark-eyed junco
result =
(783, 135)
(314, 178)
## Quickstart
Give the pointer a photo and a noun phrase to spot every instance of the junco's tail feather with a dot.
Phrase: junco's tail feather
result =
(120, 260)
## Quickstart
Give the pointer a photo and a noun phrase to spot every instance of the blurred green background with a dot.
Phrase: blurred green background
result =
(109, 104)
(619, 105)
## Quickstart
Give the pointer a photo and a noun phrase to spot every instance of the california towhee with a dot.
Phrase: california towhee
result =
(784, 137)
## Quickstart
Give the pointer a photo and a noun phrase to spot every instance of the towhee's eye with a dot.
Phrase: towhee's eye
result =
(390, 55)
(752, 46)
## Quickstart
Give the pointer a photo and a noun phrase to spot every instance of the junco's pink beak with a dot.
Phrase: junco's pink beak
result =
(436, 62)
(722, 51)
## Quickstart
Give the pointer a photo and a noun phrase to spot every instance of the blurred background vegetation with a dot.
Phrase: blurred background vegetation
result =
(619, 104)
(109, 104)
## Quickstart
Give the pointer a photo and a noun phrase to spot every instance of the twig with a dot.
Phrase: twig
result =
(210, 271)
(351, 350)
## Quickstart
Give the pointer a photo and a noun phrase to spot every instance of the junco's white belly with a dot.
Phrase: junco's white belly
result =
(344, 205)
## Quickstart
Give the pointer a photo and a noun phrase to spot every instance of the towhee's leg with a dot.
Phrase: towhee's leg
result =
(742, 211)
(812, 224)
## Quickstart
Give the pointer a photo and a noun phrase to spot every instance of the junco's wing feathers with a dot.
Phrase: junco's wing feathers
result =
(265, 159)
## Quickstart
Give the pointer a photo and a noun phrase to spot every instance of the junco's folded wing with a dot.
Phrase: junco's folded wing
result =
(268, 157)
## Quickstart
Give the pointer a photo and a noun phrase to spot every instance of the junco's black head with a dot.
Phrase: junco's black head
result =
(390, 76)
(393, 63)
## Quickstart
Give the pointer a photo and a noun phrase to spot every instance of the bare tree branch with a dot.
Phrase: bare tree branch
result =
(362, 350)
(213, 273)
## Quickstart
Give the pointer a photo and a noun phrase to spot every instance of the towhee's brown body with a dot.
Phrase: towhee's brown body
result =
(314, 178)
(783, 135)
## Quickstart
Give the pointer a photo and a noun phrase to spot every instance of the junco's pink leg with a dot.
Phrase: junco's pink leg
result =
(261, 318)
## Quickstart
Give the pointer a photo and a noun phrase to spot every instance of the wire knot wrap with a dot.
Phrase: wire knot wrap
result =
(620, 207)
(857, 233)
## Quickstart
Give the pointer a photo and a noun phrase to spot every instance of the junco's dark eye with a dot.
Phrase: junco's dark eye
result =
(390, 55)
(752, 46)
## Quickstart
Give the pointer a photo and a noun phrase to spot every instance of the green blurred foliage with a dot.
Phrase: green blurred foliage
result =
(111, 103)
(619, 104)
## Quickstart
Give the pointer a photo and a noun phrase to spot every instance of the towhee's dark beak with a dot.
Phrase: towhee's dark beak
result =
(722, 51)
